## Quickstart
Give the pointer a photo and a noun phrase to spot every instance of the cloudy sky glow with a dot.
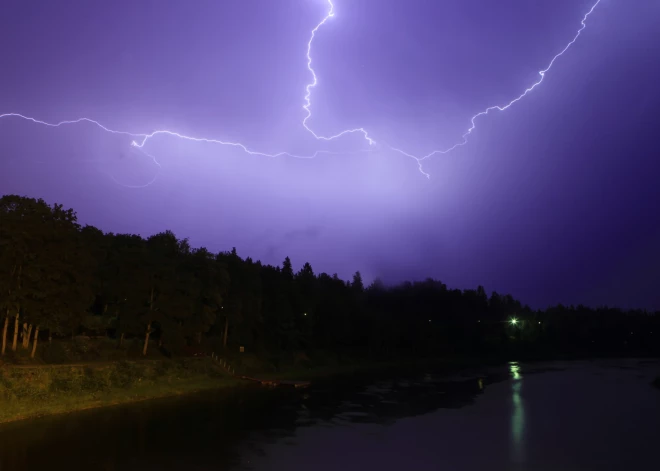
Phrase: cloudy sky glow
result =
(553, 200)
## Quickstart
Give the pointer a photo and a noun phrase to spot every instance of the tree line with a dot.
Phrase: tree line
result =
(59, 278)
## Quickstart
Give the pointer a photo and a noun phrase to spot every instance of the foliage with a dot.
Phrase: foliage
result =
(28, 392)
(159, 294)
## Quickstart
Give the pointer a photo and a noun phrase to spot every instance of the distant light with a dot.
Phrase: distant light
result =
(304, 314)
(539, 322)
(429, 320)
(479, 320)
(513, 321)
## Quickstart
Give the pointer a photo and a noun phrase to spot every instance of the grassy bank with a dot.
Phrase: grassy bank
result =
(38, 389)
(35, 390)
(46, 390)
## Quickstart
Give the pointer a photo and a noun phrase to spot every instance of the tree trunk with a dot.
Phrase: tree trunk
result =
(146, 339)
(23, 334)
(121, 339)
(4, 333)
(146, 336)
(224, 336)
(13, 345)
(199, 338)
(36, 338)
(26, 339)
(50, 337)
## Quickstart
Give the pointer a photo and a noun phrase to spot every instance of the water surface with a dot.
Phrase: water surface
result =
(571, 416)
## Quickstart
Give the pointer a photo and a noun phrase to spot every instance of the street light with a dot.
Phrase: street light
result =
(513, 321)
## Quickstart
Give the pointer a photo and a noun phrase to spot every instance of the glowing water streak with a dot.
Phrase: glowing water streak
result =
(314, 83)
(508, 105)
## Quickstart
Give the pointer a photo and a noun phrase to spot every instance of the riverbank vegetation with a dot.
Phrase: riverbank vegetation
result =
(72, 294)
(29, 391)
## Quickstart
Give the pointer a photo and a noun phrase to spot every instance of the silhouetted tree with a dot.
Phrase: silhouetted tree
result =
(58, 277)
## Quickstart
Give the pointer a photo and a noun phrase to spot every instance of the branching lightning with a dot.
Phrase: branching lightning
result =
(473, 126)
(314, 83)
(150, 182)
(139, 140)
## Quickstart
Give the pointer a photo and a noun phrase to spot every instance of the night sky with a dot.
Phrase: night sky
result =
(556, 199)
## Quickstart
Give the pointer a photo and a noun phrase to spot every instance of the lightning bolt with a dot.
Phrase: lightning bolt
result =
(314, 83)
(542, 74)
(142, 138)
(150, 182)
(464, 137)
(139, 140)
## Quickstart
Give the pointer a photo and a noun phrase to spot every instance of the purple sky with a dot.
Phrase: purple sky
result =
(554, 200)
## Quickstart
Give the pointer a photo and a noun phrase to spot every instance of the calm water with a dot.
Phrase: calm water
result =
(558, 416)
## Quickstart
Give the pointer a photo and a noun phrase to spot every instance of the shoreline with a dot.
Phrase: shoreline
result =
(117, 397)
(22, 409)
(46, 390)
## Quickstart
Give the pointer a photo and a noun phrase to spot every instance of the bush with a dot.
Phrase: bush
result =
(67, 380)
(55, 352)
(321, 358)
(134, 348)
(162, 368)
(97, 380)
(123, 374)
(25, 384)
(249, 364)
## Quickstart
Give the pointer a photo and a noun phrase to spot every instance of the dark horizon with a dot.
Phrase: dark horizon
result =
(66, 278)
(389, 285)
(554, 200)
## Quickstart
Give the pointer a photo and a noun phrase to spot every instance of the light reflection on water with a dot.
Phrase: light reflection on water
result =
(568, 416)
(517, 413)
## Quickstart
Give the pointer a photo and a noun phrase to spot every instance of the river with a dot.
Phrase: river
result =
(569, 416)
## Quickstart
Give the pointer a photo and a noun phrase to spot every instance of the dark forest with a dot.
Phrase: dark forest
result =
(60, 279)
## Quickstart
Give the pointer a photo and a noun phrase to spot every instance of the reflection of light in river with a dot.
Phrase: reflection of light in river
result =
(517, 412)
